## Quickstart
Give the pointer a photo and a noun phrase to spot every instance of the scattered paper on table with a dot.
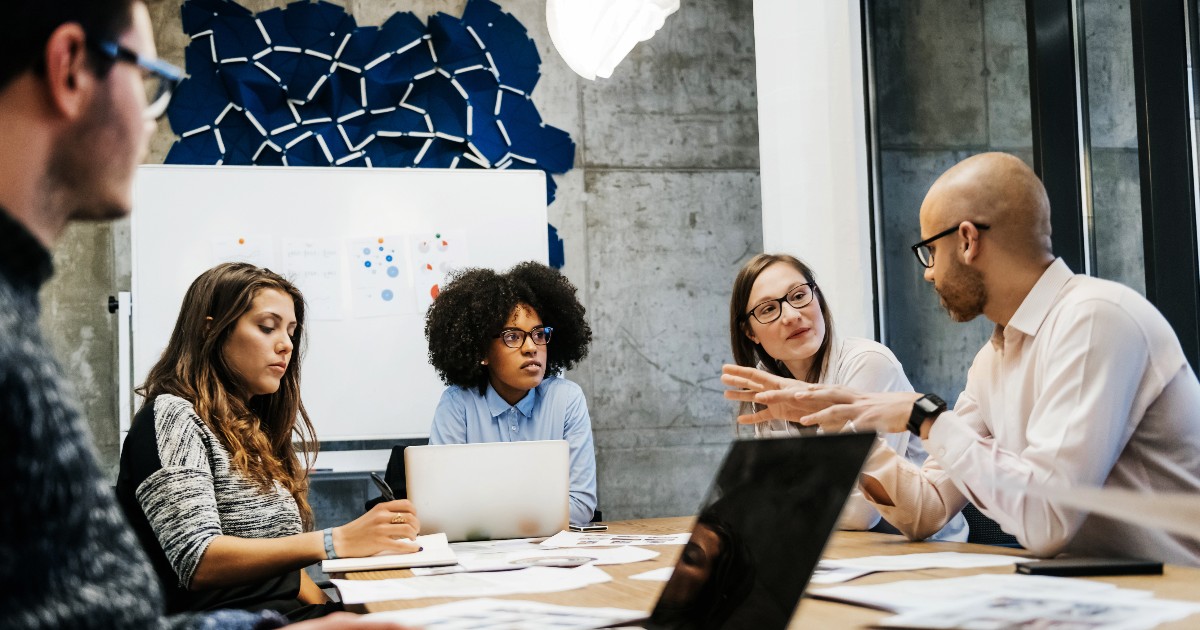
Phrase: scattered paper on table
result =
(826, 574)
(508, 544)
(499, 560)
(918, 561)
(504, 613)
(912, 595)
(1047, 610)
(578, 539)
(656, 575)
(531, 580)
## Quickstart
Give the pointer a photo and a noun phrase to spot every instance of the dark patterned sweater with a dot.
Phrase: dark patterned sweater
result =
(67, 557)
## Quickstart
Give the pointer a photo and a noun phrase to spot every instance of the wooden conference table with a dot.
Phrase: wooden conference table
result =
(1180, 583)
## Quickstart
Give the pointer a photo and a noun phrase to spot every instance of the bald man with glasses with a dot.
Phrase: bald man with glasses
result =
(1083, 384)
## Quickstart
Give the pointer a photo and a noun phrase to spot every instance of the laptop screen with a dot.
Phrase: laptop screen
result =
(761, 531)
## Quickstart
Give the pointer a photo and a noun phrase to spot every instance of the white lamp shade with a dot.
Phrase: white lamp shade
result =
(593, 36)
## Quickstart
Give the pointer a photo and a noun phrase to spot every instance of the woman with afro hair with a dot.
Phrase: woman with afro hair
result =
(490, 340)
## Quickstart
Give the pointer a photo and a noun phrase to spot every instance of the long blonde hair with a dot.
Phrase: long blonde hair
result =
(259, 431)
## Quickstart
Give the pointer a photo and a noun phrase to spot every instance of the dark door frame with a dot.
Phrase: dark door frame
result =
(1160, 50)
(1061, 140)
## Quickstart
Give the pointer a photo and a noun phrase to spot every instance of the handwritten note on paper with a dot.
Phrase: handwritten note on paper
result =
(435, 255)
(379, 284)
(254, 249)
(315, 266)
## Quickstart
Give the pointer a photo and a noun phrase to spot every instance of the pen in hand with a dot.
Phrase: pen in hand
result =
(384, 488)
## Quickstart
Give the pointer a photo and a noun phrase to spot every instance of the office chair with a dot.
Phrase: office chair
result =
(985, 531)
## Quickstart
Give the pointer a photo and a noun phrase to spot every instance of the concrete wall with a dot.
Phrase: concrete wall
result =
(661, 209)
(952, 80)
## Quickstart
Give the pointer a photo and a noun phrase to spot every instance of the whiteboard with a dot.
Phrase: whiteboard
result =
(366, 373)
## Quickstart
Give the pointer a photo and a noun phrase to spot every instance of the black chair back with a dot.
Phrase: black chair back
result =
(394, 475)
(985, 531)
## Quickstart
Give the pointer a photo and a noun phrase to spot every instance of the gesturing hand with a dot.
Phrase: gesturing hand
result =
(827, 406)
(777, 393)
(388, 527)
(884, 412)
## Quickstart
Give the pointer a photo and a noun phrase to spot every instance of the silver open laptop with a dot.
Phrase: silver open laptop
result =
(490, 491)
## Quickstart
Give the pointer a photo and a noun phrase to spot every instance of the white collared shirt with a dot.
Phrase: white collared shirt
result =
(1086, 386)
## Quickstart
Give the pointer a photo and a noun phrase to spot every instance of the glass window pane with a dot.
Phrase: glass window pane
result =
(1112, 117)
(951, 80)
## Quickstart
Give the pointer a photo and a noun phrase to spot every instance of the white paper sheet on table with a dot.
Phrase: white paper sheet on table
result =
(918, 561)
(1093, 611)
(498, 560)
(578, 539)
(825, 574)
(435, 552)
(489, 546)
(531, 580)
(661, 574)
(913, 595)
(507, 613)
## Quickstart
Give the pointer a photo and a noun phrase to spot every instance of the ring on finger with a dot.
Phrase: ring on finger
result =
(399, 519)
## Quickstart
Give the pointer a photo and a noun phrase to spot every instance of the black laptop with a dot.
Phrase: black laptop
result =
(760, 532)
(757, 538)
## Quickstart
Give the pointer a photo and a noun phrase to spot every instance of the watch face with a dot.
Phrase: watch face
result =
(930, 404)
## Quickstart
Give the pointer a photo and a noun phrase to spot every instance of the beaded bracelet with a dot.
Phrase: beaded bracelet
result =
(329, 552)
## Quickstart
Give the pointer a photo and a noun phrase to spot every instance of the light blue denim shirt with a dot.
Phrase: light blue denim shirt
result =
(554, 410)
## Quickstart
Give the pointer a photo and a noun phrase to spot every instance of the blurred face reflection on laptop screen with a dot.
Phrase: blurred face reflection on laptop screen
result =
(760, 532)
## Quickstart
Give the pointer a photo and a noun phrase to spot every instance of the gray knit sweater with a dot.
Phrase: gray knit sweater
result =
(188, 492)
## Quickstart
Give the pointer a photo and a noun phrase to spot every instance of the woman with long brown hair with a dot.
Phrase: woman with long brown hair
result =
(211, 477)
(780, 322)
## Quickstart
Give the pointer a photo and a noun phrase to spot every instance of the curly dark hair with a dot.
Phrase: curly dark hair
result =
(474, 305)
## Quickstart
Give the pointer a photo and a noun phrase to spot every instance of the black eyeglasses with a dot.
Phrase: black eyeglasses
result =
(768, 311)
(159, 77)
(925, 254)
(515, 337)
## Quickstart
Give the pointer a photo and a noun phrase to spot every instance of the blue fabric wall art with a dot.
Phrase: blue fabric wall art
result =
(306, 86)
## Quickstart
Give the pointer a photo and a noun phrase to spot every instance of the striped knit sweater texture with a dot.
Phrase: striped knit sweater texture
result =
(197, 495)
(67, 557)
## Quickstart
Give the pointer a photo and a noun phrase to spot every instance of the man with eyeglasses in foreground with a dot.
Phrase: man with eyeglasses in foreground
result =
(1083, 383)
(80, 90)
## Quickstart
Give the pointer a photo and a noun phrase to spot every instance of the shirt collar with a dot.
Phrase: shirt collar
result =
(23, 259)
(498, 405)
(1036, 306)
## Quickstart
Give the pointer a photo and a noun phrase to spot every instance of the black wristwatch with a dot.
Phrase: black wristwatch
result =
(925, 408)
